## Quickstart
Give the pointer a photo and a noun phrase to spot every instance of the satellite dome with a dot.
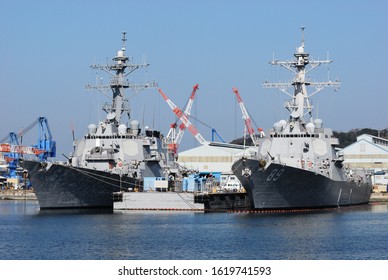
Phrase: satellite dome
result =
(283, 123)
(277, 127)
(92, 128)
(310, 127)
(135, 124)
(135, 127)
(318, 123)
(122, 129)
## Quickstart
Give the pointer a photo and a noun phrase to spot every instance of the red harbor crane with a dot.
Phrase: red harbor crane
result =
(175, 139)
(184, 119)
(246, 118)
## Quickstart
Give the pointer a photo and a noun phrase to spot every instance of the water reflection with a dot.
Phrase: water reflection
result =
(18, 207)
(355, 232)
(75, 211)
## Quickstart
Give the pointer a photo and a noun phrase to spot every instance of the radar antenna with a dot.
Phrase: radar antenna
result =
(300, 67)
(302, 40)
(124, 40)
(118, 71)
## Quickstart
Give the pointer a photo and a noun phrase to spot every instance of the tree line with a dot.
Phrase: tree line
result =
(347, 138)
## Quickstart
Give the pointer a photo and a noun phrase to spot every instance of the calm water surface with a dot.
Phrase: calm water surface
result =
(347, 233)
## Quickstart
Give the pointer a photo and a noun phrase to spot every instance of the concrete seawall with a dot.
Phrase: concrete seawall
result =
(379, 197)
(17, 195)
(29, 195)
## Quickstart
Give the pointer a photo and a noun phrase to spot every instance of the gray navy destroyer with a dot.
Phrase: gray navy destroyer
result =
(298, 165)
(113, 156)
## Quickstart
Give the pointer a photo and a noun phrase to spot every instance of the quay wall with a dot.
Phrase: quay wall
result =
(17, 195)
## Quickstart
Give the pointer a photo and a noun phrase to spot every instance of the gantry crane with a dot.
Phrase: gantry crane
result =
(19, 149)
(12, 149)
(10, 157)
(12, 153)
(45, 139)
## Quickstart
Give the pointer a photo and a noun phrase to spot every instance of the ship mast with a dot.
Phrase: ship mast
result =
(300, 103)
(119, 83)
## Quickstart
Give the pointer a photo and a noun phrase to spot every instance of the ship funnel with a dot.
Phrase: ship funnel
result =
(135, 127)
(92, 129)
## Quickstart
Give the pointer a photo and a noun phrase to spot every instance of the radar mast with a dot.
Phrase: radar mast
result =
(300, 105)
(118, 71)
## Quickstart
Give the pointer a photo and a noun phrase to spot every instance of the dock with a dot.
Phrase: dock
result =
(17, 195)
(379, 197)
(224, 202)
(157, 201)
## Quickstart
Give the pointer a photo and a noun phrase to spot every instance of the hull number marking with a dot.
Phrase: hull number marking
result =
(275, 174)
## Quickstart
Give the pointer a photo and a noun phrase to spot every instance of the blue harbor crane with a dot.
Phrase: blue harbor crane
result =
(213, 130)
(11, 157)
(45, 140)
(13, 150)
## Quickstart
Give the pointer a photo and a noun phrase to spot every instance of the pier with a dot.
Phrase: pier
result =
(17, 195)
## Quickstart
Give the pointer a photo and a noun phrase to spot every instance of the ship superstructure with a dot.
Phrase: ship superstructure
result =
(113, 145)
(298, 165)
(115, 154)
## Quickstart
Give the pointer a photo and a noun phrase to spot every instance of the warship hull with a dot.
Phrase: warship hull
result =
(285, 187)
(65, 187)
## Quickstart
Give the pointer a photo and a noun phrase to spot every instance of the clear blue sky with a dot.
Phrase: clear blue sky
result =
(46, 48)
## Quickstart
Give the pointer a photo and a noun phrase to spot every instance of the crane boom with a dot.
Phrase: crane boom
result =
(171, 133)
(18, 149)
(246, 117)
(187, 112)
(191, 100)
(178, 112)
(45, 142)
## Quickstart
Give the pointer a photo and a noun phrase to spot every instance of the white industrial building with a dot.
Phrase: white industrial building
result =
(213, 157)
(369, 152)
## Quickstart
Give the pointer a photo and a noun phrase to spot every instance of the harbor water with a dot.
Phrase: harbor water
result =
(351, 233)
